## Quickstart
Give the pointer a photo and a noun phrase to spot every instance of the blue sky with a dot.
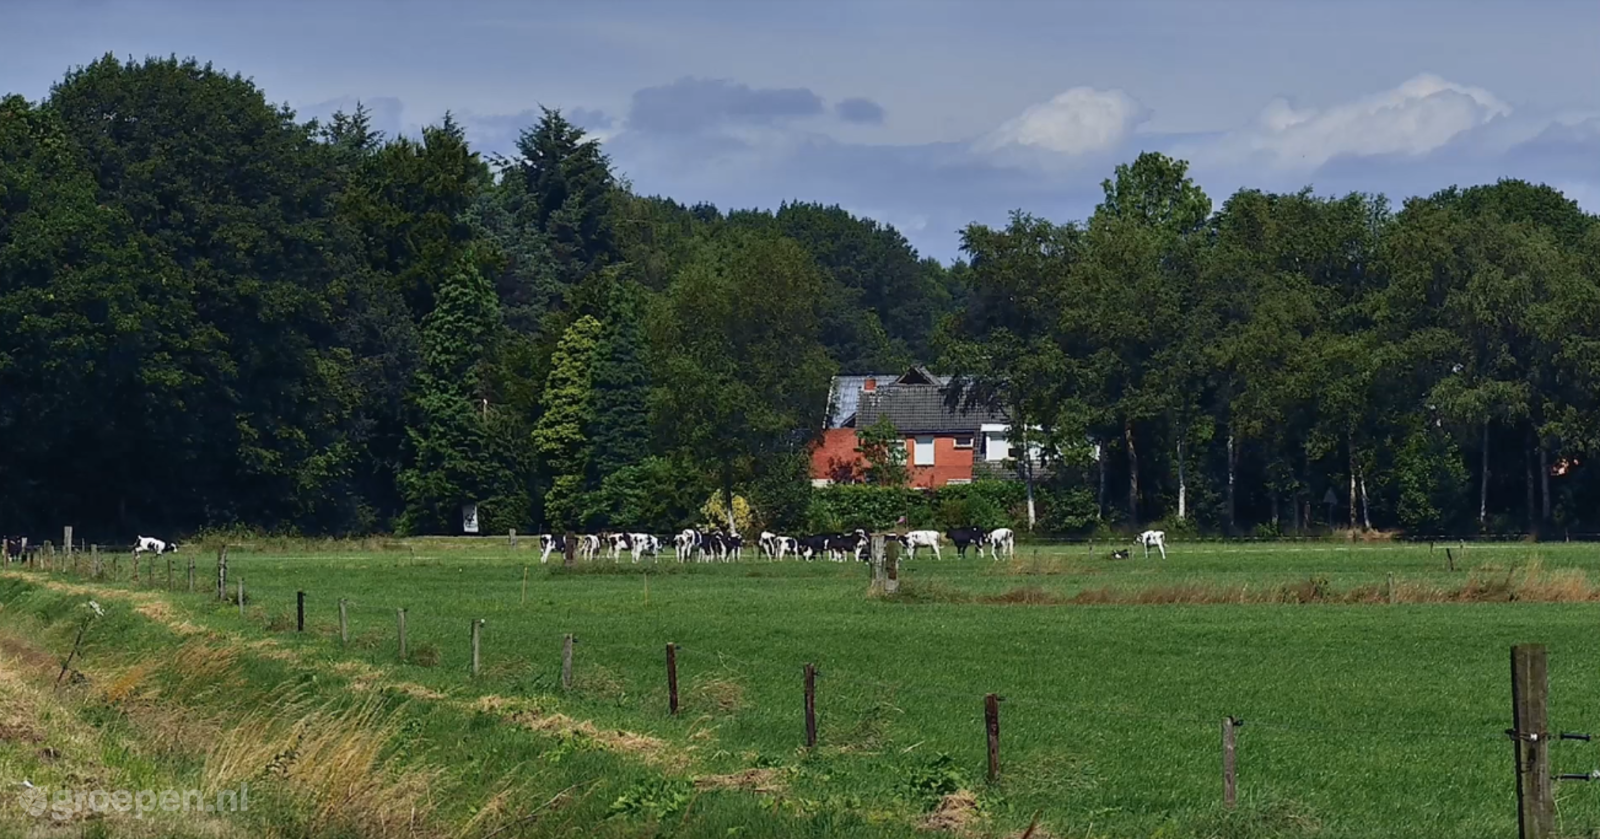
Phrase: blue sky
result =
(925, 114)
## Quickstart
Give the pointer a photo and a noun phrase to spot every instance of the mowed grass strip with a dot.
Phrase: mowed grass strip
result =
(1360, 719)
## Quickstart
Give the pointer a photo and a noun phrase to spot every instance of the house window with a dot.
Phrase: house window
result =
(995, 447)
(923, 452)
(964, 442)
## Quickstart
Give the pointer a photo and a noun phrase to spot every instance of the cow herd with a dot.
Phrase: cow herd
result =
(18, 548)
(717, 545)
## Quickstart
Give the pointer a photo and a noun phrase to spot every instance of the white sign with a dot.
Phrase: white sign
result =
(469, 518)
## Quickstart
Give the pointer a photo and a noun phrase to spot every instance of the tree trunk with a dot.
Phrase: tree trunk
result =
(1027, 465)
(1483, 481)
(727, 499)
(1350, 449)
(1133, 473)
(1531, 488)
(1277, 508)
(1183, 484)
(1100, 458)
(1233, 509)
(1366, 506)
(1544, 481)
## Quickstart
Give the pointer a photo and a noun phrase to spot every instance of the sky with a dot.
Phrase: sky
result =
(924, 114)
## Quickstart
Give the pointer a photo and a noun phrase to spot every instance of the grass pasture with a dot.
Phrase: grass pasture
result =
(1361, 717)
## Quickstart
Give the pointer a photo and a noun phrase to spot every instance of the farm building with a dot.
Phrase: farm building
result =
(944, 445)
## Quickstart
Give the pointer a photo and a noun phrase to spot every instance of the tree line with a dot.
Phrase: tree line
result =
(214, 314)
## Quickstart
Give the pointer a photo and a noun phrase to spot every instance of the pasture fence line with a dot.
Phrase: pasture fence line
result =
(1530, 732)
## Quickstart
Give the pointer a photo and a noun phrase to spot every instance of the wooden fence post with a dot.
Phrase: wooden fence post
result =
(811, 706)
(222, 573)
(344, 622)
(1230, 787)
(991, 724)
(94, 560)
(1530, 718)
(524, 585)
(891, 561)
(566, 662)
(513, 538)
(477, 631)
(672, 679)
(402, 616)
(1390, 589)
(191, 573)
(169, 573)
(66, 539)
(571, 557)
(299, 608)
(135, 568)
(241, 597)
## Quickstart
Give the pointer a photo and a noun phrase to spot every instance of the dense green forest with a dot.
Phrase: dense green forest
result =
(213, 314)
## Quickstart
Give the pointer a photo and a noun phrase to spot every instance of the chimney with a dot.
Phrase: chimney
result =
(869, 385)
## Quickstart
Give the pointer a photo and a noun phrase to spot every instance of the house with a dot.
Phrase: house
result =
(944, 445)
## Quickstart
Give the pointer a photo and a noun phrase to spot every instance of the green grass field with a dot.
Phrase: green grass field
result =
(1361, 718)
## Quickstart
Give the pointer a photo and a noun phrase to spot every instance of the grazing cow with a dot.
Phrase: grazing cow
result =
(964, 538)
(588, 546)
(767, 543)
(722, 547)
(548, 543)
(1001, 539)
(686, 541)
(14, 547)
(1153, 539)
(644, 543)
(616, 543)
(921, 539)
(812, 547)
(147, 544)
(786, 545)
(852, 543)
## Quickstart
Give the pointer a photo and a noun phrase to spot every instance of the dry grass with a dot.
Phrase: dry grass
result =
(956, 812)
(331, 762)
(1527, 582)
(723, 695)
(750, 780)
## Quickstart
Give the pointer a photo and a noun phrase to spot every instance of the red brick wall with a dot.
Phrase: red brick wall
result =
(949, 463)
(835, 457)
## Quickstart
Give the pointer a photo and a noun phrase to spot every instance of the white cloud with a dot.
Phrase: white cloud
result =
(1075, 122)
(1417, 117)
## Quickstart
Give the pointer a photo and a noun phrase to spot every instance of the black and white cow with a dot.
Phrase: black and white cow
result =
(811, 547)
(149, 544)
(644, 543)
(588, 546)
(15, 547)
(686, 542)
(964, 538)
(921, 539)
(551, 543)
(1152, 539)
(854, 544)
(1001, 540)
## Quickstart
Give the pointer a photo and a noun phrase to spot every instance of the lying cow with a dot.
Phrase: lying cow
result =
(149, 544)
